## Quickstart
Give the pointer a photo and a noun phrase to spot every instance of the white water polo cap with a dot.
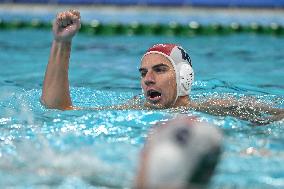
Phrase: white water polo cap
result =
(181, 63)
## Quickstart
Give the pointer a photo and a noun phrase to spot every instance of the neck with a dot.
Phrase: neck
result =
(182, 101)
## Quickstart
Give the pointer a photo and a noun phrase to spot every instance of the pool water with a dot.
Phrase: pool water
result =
(43, 148)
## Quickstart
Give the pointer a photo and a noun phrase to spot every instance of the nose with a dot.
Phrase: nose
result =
(149, 79)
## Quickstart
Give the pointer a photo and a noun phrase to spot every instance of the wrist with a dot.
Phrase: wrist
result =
(61, 43)
(61, 40)
(61, 47)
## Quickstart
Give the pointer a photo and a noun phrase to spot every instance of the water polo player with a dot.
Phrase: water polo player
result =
(166, 79)
(180, 153)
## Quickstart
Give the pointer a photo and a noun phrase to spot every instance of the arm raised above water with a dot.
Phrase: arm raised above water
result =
(55, 92)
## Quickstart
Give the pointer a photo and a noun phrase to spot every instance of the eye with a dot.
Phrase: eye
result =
(161, 69)
(143, 73)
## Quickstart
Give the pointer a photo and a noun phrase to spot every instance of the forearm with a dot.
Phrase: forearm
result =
(55, 93)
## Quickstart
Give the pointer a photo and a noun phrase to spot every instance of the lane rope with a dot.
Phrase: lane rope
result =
(173, 29)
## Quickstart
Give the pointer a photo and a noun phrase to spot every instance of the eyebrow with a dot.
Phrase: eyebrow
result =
(155, 66)
(160, 65)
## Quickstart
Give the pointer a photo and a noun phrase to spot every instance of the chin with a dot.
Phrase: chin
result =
(157, 105)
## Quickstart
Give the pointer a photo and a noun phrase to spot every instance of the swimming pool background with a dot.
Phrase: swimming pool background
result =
(41, 147)
(182, 15)
(209, 3)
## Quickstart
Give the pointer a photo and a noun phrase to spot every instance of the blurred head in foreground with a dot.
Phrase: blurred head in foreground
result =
(179, 154)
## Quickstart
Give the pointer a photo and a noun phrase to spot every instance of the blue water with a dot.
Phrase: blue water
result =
(100, 149)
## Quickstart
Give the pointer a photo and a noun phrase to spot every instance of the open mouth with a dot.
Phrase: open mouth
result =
(153, 95)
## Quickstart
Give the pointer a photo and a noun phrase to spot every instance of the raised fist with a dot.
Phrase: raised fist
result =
(66, 25)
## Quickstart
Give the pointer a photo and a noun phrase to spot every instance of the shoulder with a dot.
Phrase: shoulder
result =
(216, 106)
(137, 102)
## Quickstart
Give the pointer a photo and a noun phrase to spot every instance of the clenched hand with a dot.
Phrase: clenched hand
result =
(66, 25)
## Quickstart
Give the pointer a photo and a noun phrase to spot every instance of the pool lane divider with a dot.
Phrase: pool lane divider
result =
(173, 29)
